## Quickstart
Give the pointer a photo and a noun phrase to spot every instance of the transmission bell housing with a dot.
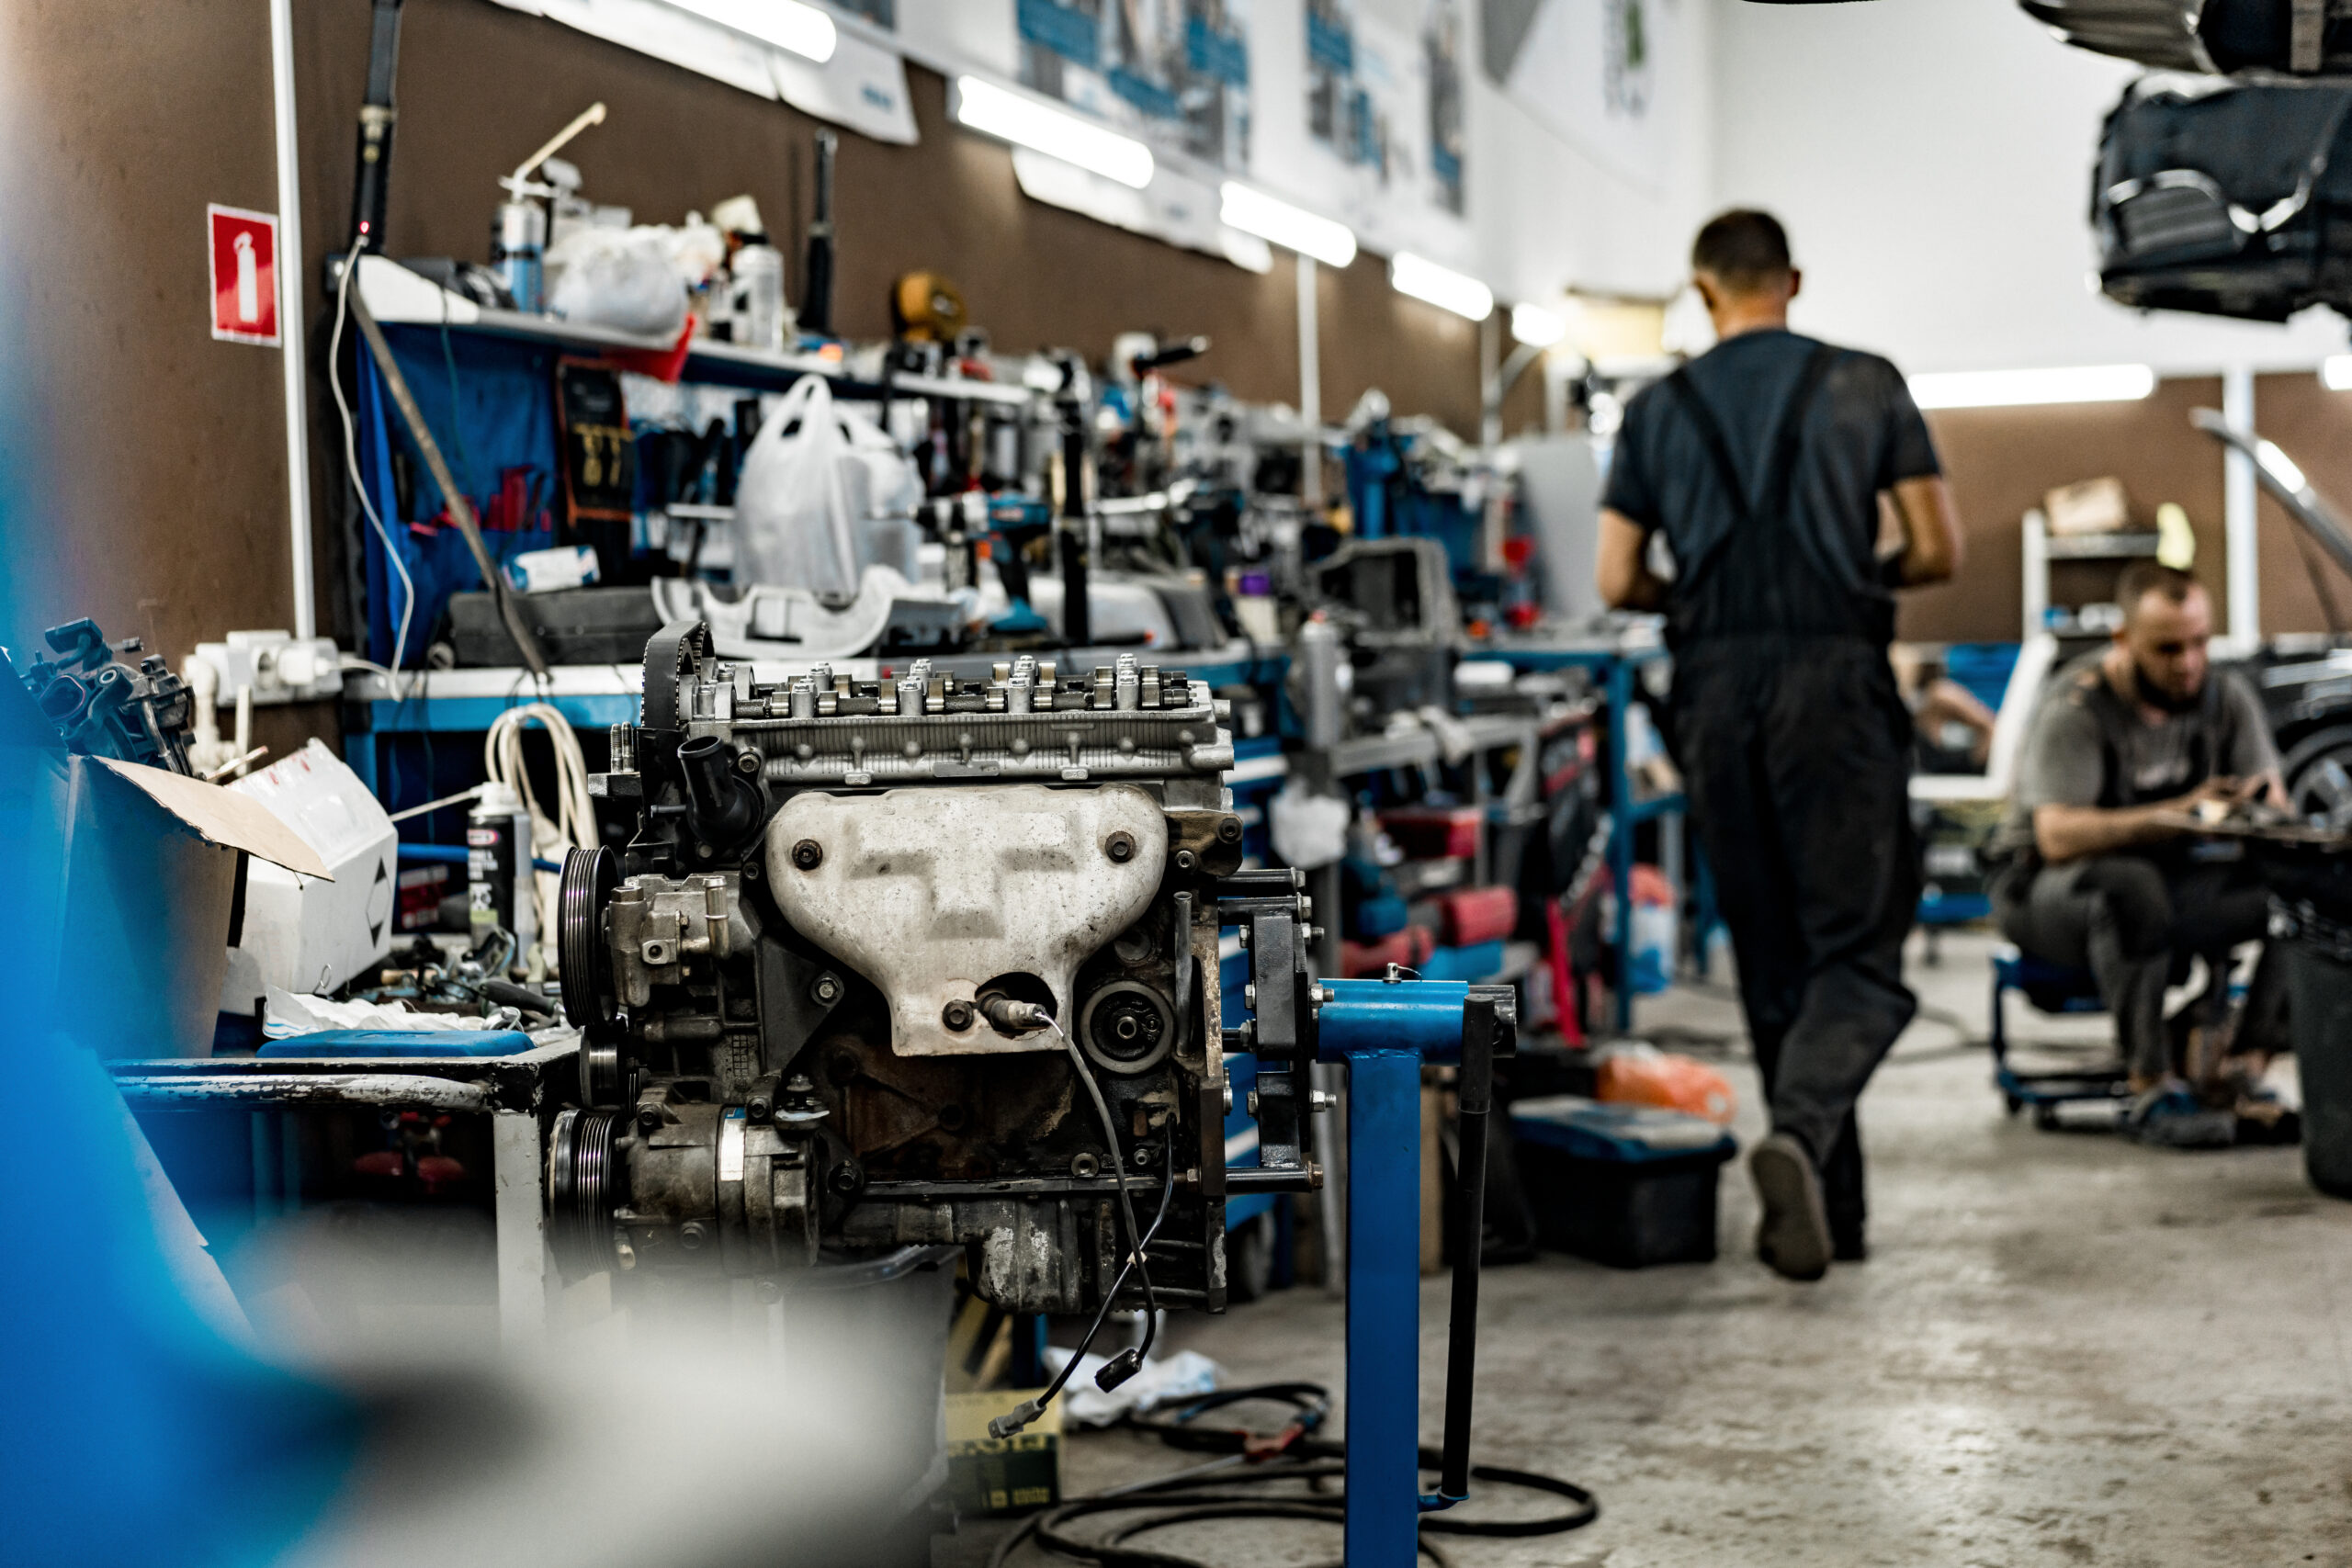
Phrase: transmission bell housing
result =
(784, 980)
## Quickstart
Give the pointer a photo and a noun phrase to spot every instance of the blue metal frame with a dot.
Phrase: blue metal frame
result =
(1384, 1031)
(1615, 668)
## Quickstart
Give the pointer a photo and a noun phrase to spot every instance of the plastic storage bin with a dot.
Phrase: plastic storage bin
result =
(1624, 1185)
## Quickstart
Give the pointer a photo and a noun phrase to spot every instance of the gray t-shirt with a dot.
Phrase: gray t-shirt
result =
(2066, 756)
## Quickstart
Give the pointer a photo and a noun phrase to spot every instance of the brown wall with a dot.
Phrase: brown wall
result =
(168, 499)
(479, 86)
(160, 506)
(2000, 462)
(2314, 426)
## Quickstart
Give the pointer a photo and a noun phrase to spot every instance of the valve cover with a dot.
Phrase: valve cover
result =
(933, 895)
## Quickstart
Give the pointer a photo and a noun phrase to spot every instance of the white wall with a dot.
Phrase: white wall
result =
(1932, 160)
(1551, 217)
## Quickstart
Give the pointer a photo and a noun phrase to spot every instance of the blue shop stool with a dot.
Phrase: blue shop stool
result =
(2060, 990)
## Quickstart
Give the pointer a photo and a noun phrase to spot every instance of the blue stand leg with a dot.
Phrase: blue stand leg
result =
(1383, 1307)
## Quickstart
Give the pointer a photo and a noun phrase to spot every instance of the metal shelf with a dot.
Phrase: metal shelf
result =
(398, 297)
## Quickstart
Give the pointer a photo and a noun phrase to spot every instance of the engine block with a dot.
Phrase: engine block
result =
(810, 963)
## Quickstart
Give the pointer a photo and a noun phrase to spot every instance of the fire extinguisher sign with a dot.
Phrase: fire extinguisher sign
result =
(243, 252)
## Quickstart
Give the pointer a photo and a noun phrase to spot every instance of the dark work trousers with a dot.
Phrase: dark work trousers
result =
(2133, 920)
(1795, 752)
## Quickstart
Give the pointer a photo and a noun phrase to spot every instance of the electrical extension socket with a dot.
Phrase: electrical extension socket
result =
(278, 666)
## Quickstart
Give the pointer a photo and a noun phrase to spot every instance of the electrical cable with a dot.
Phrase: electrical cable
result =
(574, 825)
(351, 461)
(1103, 1314)
(1132, 1357)
(1294, 1454)
(1015, 1015)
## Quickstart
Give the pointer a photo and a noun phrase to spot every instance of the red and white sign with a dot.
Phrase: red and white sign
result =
(244, 273)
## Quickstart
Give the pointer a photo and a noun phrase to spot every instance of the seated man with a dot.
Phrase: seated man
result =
(2104, 872)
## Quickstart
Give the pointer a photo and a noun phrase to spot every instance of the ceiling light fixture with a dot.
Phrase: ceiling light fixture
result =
(1293, 227)
(787, 23)
(2018, 389)
(1032, 123)
(1440, 285)
(2336, 372)
(1537, 327)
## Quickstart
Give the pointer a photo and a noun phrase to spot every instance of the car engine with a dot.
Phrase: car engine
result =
(921, 960)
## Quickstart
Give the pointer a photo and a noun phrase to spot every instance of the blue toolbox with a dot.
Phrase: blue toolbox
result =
(1624, 1185)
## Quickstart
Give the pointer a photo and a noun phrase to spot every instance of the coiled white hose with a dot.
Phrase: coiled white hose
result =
(574, 823)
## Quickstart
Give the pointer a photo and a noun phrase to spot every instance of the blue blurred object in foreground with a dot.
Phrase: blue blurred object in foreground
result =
(131, 1430)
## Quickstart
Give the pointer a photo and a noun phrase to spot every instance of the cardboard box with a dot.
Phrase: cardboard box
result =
(1002, 1476)
(309, 934)
(2092, 506)
(152, 874)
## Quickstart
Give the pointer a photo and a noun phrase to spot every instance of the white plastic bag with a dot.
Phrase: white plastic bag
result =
(625, 279)
(1309, 830)
(795, 517)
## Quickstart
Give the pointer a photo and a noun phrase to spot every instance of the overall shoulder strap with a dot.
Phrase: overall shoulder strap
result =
(1788, 443)
(1711, 436)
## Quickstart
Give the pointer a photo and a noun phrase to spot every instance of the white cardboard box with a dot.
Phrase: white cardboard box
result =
(302, 933)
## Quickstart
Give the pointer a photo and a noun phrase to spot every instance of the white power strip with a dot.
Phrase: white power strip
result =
(279, 666)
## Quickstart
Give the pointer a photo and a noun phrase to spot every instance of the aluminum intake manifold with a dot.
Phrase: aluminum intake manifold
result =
(935, 895)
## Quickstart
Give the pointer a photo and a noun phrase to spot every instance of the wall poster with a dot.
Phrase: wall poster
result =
(1587, 70)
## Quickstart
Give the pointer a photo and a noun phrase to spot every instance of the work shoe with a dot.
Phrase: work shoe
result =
(2172, 1116)
(1793, 1238)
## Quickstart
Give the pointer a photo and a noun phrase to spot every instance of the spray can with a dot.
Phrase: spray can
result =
(499, 874)
(758, 270)
(518, 249)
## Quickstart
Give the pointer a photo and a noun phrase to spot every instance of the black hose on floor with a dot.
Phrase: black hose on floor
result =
(1206, 1492)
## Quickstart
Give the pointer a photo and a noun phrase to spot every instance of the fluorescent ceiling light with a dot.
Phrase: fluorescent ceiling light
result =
(2335, 373)
(2014, 388)
(1440, 285)
(787, 23)
(1032, 123)
(1537, 327)
(2280, 466)
(1293, 227)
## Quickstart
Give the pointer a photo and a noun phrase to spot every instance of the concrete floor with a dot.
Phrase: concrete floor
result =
(2065, 1348)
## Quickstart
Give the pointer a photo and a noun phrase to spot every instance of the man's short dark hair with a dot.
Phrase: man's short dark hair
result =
(1743, 249)
(2142, 578)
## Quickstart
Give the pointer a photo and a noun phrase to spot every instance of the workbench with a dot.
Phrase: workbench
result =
(520, 1094)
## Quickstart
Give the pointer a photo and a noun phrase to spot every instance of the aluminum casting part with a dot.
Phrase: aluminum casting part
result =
(932, 894)
(297, 1090)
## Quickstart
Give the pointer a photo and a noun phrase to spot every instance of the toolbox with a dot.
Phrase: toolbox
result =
(1624, 1185)
(575, 626)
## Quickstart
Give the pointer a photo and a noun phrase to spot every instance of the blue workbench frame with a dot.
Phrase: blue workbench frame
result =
(1614, 669)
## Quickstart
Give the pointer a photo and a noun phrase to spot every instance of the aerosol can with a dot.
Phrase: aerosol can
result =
(518, 249)
(518, 235)
(499, 876)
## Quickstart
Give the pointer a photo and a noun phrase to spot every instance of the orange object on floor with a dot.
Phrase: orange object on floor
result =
(1644, 1074)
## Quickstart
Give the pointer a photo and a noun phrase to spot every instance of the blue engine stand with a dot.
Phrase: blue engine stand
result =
(1383, 1031)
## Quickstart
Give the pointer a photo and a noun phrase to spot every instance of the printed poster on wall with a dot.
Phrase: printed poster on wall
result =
(1172, 74)
(1587, 70)
(1382, 92)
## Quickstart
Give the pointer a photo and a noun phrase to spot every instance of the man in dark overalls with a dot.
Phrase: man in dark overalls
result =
(2102, 872)
(1761, 466)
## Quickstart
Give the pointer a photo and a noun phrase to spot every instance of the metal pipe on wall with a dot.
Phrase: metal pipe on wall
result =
(1310, 385)
(2241, 543)
(290, 317)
